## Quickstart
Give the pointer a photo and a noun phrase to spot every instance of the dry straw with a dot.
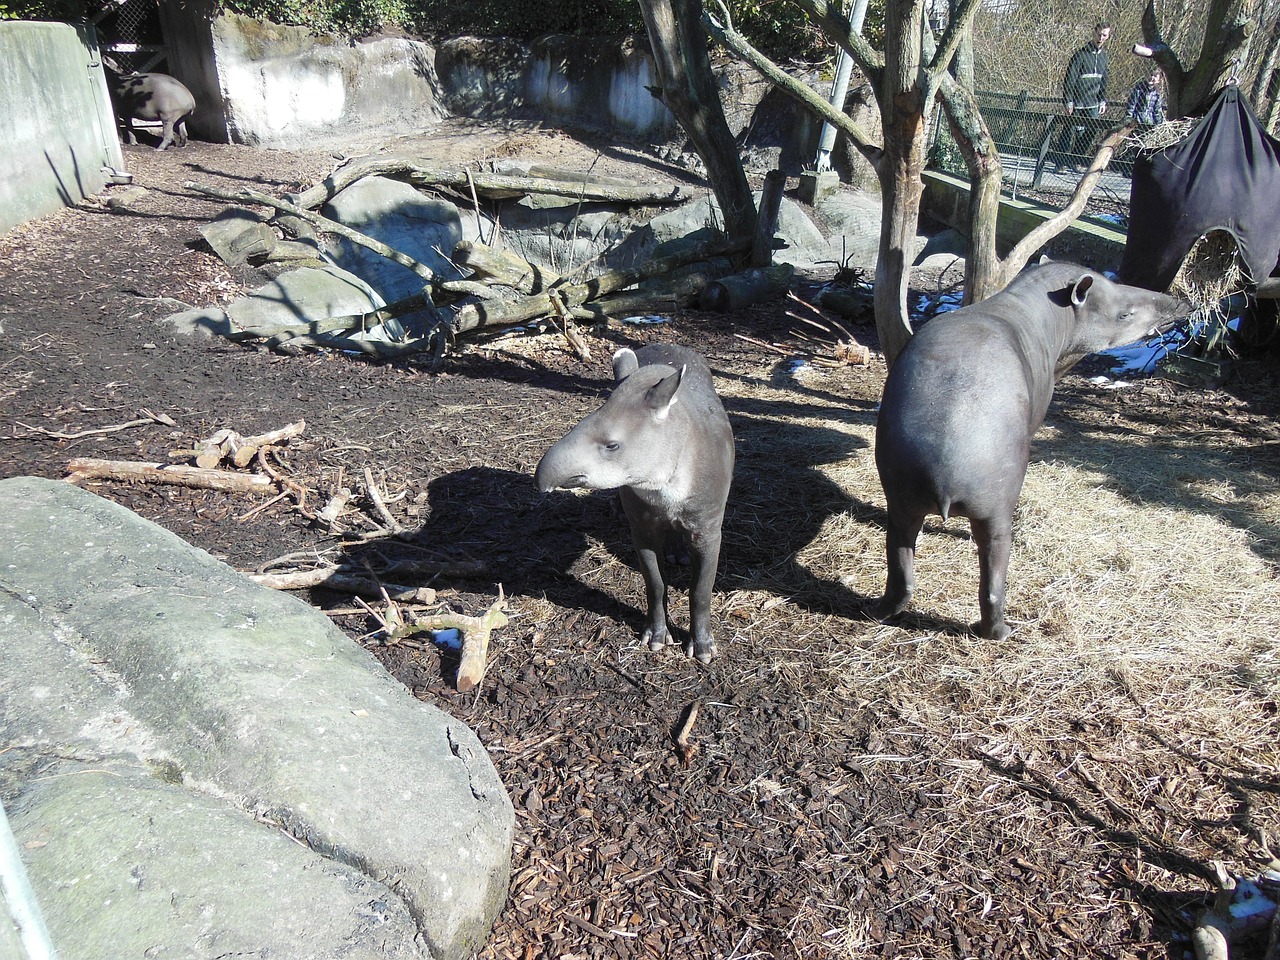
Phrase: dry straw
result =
(1144, 593)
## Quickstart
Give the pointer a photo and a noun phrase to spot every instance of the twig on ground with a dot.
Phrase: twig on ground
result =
(146, 420)
(475, 631)
(687, 749)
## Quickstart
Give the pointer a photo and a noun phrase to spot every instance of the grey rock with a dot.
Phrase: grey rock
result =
(237, 235)
(198, 766)
(395, 213)
(303, 295)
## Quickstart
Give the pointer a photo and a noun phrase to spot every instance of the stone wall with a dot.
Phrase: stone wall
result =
(56, 122)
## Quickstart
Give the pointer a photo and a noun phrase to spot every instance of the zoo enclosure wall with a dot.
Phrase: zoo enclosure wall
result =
(55, 120)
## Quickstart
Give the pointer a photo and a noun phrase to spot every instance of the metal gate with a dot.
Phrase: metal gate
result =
(129, 33)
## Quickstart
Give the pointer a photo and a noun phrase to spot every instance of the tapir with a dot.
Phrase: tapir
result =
(964, 398)
(663, 441)
(152, 96)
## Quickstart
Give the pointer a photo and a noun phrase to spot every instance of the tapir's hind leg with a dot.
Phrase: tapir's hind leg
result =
(900, 553)
(995, 541)
(167, 139)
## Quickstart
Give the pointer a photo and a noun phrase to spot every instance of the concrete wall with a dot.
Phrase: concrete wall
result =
(946, 199)
(56, 122)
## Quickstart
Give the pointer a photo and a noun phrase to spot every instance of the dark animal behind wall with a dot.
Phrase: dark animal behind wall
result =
(151, 97)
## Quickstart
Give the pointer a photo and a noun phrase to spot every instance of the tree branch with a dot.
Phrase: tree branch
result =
(839, 30)
(1033, 241)
(738, 44)
(961, 22)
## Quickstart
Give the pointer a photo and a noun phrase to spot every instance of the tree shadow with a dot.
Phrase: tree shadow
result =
(1155, 459)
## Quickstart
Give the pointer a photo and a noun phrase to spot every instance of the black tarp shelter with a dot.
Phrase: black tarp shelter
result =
(1224, 175)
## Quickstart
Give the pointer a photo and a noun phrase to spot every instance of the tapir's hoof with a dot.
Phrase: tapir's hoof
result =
(704, 652)
(656, 639)
(997, 632)
(886, 608)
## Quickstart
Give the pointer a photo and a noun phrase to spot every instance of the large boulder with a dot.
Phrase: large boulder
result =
(196, 766)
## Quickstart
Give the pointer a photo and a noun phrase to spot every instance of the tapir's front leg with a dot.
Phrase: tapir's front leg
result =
(706, 559)
(649, 532)
(655, 633)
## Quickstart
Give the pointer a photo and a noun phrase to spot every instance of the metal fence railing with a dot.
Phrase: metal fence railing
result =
(1043, 151)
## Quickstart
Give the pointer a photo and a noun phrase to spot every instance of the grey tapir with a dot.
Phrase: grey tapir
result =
(964, 398)
(152, 96)
(662, 439)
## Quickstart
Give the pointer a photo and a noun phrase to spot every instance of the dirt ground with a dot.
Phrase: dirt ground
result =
(823, 811)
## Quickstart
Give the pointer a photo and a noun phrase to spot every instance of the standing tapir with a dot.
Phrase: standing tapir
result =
(152, 96)
(964, 398)
(662, 439)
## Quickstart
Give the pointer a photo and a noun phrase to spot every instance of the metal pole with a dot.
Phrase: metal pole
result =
(839, 88)
(23, 907)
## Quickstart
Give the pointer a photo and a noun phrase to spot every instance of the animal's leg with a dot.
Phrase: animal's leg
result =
(995, 540)
(900, 555)
(180, 128)
(655, 628)
(706, 559)
(167, 139)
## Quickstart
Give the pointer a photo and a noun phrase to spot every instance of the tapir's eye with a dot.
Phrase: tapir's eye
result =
(612, 446)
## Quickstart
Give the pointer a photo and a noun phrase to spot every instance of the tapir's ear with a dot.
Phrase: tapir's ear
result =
(1080, 289)
(1044, 258)
(662, 395)
(624, 364)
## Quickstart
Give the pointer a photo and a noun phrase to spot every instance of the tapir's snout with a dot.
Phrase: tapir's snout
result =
(547, 483)
(558, 471)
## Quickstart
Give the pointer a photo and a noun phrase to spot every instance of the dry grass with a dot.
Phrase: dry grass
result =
(1134, 708)
(1210, 272)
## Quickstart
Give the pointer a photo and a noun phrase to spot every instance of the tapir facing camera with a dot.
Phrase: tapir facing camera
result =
(663, 441)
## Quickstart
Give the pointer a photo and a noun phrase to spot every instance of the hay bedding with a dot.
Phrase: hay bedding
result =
(857, 789)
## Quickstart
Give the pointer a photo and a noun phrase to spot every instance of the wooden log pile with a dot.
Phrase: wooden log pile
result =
(503, 289)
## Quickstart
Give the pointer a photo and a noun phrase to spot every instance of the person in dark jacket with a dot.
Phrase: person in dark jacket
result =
(1146, 100)
(1084, 95)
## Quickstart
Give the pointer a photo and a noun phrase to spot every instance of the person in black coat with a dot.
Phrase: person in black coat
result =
(1084, 95)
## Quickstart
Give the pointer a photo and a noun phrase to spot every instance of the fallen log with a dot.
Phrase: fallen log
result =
(83, 469)
(575, 295)
(751, 286)
(653, 297)
(341, 581)
(492, 185)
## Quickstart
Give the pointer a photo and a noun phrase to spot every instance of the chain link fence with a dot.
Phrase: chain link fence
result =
(1043, 152)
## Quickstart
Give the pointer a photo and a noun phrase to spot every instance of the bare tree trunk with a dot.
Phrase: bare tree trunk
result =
(901, 188)
(983, 273)
(1231, 24)
(689, 90)
(902, 111)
